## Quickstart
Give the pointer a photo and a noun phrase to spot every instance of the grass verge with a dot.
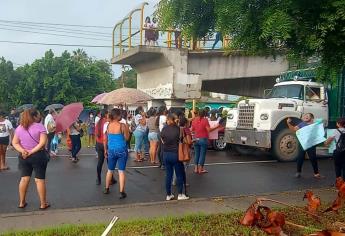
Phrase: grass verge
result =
(198, 225)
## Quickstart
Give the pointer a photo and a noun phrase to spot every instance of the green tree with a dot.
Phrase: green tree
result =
(130, 79)
(55, 79)
(299, 28)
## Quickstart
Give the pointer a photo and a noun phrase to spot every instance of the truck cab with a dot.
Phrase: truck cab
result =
(261, 123)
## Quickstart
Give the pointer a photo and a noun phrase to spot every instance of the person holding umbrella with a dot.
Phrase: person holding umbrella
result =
(115, 150)
(75, 130)
(67, 119)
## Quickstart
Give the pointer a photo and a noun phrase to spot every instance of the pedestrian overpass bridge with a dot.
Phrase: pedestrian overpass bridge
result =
(173, 68)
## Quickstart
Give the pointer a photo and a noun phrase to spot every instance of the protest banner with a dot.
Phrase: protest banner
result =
(332, 145)
(311, 135)
(214, 134)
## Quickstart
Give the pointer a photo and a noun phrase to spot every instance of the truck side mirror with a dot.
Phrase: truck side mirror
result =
(267, 92)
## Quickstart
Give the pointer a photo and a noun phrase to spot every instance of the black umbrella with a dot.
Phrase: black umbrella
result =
(53, 107)
(24, 107)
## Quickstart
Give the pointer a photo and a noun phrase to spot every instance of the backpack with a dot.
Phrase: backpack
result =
(340, 146)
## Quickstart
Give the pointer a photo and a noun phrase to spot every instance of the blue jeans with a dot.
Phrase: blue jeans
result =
(171, 163)
(146, 142)
(200, 148)
(76, 145)
(139, 139)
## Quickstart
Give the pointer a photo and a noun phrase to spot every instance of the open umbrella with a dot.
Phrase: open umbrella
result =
(24, 107)
(68, 115)
(53, 107)
(125, 96)
(98, 98)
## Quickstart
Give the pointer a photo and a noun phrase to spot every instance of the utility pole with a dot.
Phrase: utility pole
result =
(124, 70)
(123, 76)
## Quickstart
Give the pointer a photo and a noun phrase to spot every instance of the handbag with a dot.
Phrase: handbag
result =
(183, 148)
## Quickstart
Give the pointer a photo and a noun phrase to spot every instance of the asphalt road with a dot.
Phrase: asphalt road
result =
(72, 185)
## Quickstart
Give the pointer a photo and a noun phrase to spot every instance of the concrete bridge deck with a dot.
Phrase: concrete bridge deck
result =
(170, 73)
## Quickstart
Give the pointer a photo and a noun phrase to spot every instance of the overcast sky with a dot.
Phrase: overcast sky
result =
(75, 12)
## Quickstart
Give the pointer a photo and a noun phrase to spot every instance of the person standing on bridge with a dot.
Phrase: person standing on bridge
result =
(149, 33)
(115, 150)
(201, 129)
(307, 119)
(29, 140)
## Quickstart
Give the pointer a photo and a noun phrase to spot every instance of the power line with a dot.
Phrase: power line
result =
(56, 44)
(61, 35)
(53, 30)
(68, 25)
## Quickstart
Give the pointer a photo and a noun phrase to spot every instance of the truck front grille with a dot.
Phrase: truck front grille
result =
(246, 116)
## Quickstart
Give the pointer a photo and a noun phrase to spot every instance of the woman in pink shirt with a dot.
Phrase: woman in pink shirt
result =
(29, 140)
(201, 129)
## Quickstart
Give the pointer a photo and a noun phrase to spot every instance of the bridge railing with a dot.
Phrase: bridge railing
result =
(131, 32)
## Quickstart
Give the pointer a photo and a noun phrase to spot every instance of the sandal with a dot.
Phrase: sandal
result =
(22, 207)
(5, 168)
(203, 171)
(140, 160)
(47, 205)
(318, 176)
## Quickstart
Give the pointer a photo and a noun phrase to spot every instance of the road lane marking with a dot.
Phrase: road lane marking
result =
(211, 164)
(207, 164)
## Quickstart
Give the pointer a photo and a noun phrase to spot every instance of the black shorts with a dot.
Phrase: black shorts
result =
(36, 162)
(5, 140)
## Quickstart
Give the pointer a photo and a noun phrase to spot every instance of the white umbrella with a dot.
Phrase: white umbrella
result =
(125, 96)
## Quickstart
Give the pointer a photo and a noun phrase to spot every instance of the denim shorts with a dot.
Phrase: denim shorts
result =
(117, 156)
(153, 137)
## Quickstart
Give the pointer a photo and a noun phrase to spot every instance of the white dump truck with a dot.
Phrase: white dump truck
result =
(261, 123)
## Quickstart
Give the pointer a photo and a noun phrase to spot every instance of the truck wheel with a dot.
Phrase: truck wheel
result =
(219, 144)
(285, 146)
(243, 150)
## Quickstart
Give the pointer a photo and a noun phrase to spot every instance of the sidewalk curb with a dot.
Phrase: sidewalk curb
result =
(36, 220)
(160, 203)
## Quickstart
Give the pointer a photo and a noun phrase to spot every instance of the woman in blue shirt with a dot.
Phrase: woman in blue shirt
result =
(115, 149)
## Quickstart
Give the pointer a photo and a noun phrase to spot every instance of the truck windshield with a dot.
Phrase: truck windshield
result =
(295, 91)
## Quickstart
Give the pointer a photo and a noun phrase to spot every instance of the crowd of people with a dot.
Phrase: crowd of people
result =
(165, 137)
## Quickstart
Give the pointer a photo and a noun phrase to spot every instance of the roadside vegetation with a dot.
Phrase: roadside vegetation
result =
(218, 224)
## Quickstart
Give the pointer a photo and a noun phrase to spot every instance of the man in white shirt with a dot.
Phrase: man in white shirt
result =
(50, 125)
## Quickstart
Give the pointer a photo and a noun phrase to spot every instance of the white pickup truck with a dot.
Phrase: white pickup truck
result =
(261, 123)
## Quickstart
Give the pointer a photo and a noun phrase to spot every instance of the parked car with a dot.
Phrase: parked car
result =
(219, 144)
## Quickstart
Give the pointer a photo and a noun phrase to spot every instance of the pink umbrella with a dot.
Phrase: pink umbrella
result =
(98, 98)
(68, 115)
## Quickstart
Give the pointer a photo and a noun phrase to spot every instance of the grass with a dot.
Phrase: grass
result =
(198, 225)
